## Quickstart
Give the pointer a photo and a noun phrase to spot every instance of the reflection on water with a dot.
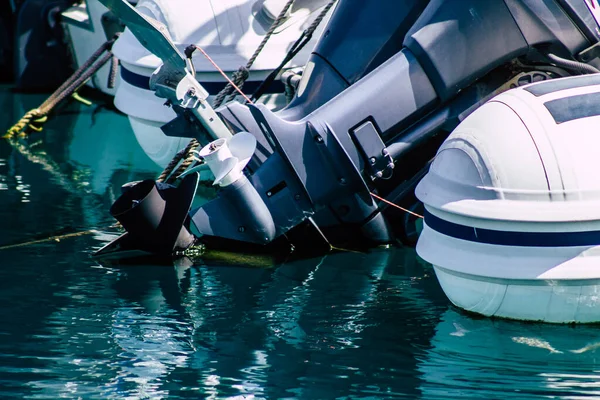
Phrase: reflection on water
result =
(65, 178)
(310, 329)
(345, 325)
(478, 357)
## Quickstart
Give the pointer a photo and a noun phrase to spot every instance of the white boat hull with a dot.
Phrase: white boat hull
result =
(557, 285)
(529, 300)
(512, 206)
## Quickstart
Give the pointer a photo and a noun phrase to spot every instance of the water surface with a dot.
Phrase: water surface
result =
(345, 325)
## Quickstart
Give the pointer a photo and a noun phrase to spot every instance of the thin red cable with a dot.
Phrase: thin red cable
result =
(396, 205)
(223, 73)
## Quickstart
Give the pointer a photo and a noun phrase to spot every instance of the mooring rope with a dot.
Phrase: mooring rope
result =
(304, 38)
(238, 79)
(229, 81)
(57, 238)
(33, 119)
(186, 154)
(240, 76)
(113, 72)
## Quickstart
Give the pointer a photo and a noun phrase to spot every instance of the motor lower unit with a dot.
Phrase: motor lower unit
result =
(512, 199)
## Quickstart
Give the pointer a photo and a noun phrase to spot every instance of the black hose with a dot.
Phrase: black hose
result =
(572, 65)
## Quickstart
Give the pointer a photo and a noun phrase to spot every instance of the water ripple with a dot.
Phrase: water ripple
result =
(347, 325)
(474, 357)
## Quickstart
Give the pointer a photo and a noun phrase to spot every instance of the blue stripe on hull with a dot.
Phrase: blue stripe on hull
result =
(509, 238)
(213, 88)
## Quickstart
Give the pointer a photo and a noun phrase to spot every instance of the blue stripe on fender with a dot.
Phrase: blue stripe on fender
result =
(508, 238)
(213, 88)
(137, 80)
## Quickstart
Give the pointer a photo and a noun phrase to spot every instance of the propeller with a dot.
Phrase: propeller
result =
(227, 158)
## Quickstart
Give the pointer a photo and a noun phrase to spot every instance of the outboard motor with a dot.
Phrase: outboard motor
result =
(350, 50)
(324, 166)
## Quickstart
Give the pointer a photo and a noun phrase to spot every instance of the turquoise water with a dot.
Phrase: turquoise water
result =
(342, 326)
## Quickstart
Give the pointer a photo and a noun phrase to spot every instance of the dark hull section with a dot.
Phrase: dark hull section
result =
(40, 59)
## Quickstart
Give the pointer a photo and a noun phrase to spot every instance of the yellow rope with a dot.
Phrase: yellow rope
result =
(41, 120)
(34, 118)
(187, 155)
(84, 101)
(58, 238)
(49, 239)
(31, 116)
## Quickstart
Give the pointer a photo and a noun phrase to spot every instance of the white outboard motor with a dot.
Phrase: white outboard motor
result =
(512, 200)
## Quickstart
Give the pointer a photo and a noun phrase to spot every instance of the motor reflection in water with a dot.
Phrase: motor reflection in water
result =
(304, 329)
